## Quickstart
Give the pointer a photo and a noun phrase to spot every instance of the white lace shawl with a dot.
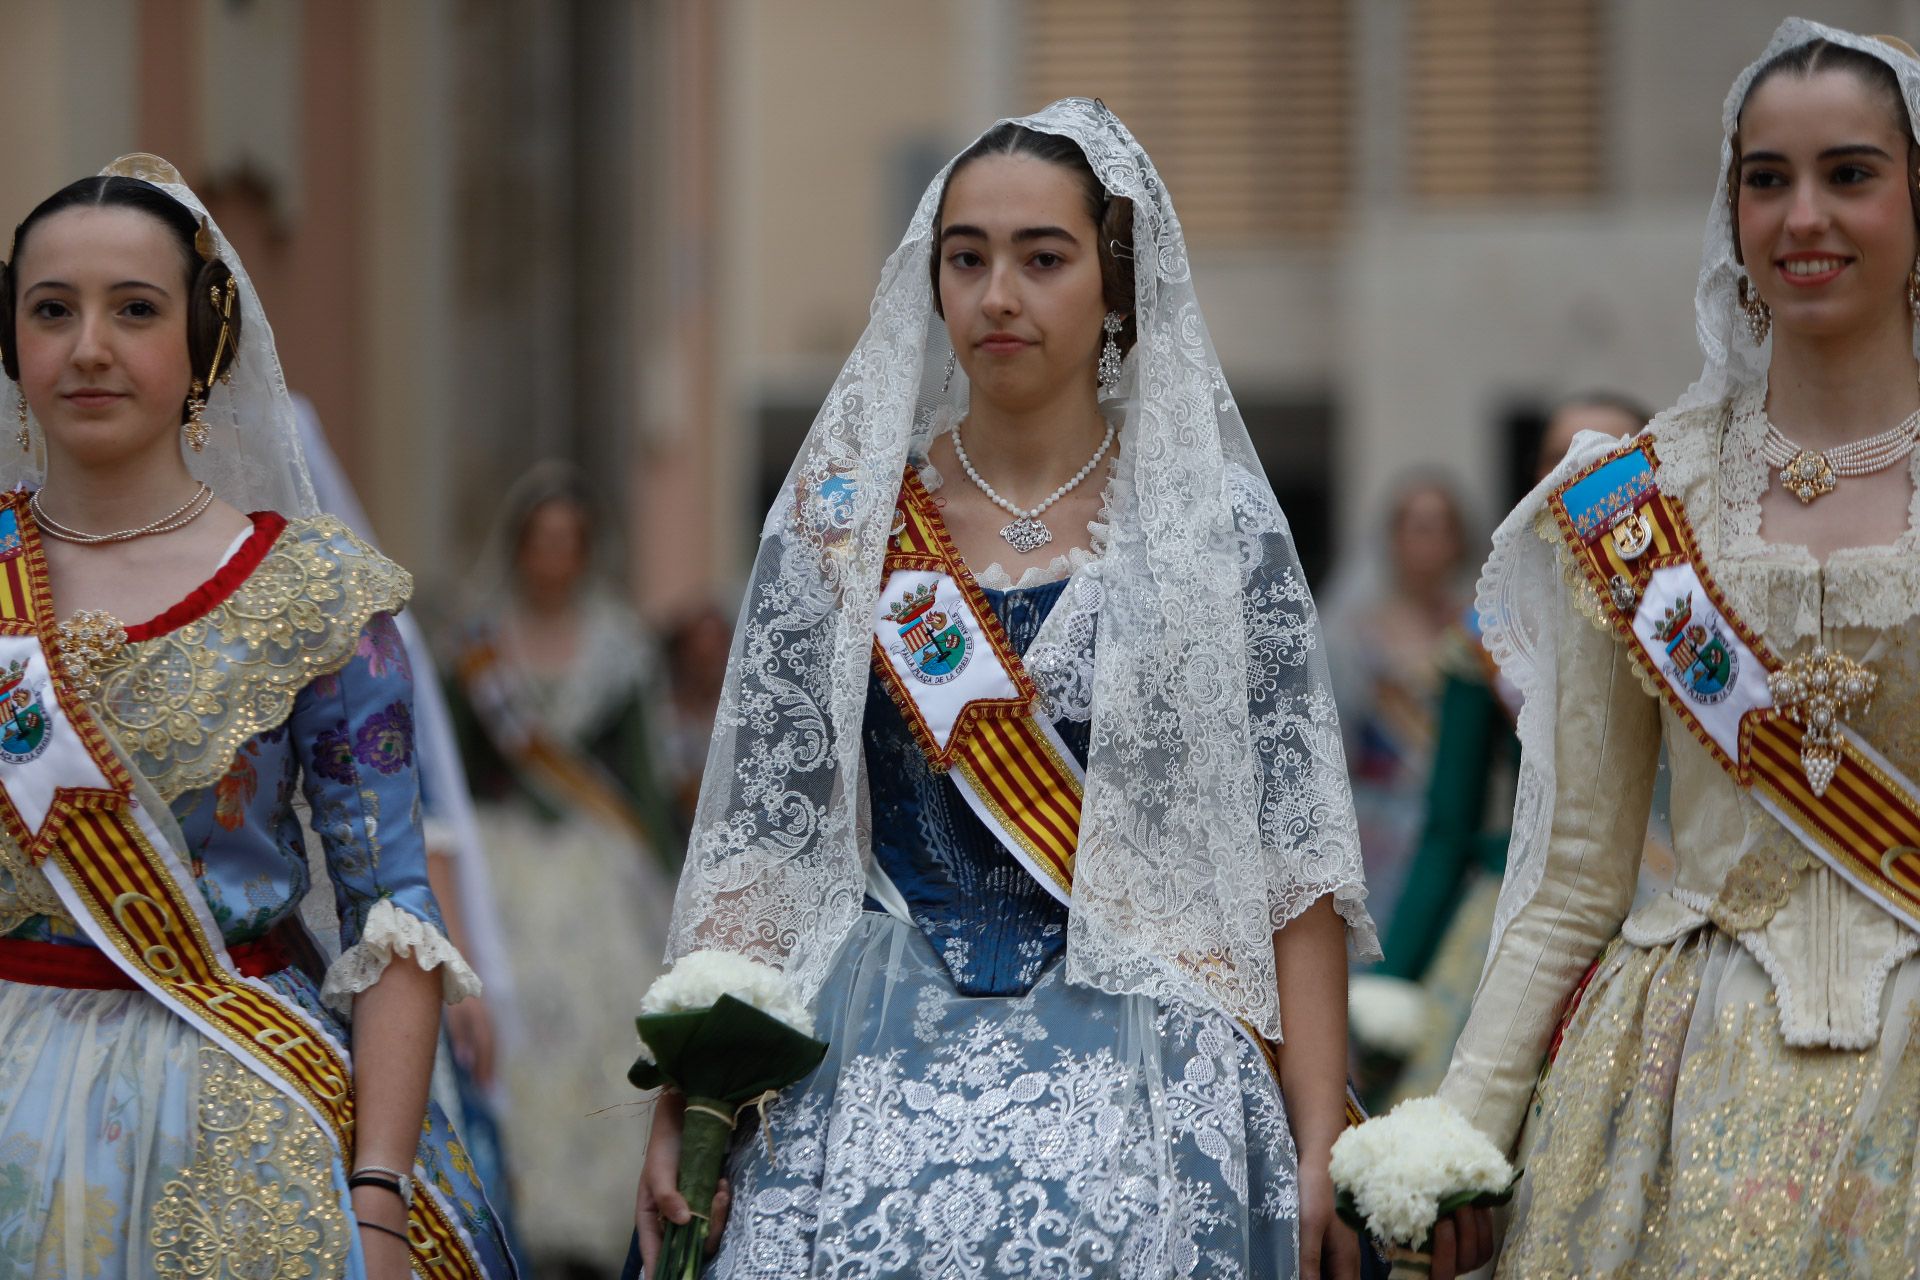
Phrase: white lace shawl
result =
(1522, 584)
(1216, 801)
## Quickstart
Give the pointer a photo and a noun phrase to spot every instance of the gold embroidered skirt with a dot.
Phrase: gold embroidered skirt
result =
(1678, 1134)
(130, 1145)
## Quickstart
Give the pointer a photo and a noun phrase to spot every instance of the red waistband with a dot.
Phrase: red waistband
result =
(85, 968)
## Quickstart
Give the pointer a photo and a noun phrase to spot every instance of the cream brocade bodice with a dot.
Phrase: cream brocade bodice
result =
(1826, 947)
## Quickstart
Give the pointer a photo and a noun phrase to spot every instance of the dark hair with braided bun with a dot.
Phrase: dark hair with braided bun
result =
(1112, 215)
(205, 278)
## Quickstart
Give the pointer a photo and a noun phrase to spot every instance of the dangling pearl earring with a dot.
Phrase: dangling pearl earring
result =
(24, 437)
(1759, 314)
(946, 383)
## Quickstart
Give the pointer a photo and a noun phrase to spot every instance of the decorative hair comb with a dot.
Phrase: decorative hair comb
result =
(1895, 42)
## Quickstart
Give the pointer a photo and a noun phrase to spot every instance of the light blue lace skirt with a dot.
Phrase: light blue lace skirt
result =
(1062, 1133)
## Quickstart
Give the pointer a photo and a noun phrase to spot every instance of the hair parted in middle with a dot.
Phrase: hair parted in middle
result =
(1112, 215)
(207, 278)
(1810, 59)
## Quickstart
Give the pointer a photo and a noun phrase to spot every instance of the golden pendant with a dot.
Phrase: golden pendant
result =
(1807, 475)
(1818, 690)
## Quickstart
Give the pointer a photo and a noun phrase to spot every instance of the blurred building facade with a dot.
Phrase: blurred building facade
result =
(644, 233)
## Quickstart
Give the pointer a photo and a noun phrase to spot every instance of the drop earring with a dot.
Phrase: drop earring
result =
(946, 382)
(196, 430)
(1913, 290)
(1759, 314)
(1110, 354)
(23, 437)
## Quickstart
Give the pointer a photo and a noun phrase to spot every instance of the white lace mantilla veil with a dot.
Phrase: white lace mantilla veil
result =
(1522, 584)
(252, 459)
(1216, 804)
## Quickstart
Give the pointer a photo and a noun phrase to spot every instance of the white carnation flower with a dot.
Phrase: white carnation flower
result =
(1400, 1166)
(699, 978)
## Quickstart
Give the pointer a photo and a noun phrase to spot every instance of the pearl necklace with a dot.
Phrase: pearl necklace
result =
(1027, 532)
(1809, 474)
(179, 518)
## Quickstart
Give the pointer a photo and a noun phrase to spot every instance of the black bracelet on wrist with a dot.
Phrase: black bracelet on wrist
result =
(387, 1231)
(371, 1180)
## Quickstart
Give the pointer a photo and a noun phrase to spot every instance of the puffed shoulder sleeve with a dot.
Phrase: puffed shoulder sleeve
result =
(1606, 742)
(1308, 835)
(354, 731)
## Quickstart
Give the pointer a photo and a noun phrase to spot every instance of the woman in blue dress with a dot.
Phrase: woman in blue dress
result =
(216, 1044)
(1027, 771)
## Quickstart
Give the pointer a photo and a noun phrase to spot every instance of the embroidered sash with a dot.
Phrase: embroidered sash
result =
(973, 708)
(1637, 550)
(109, 848)
(967, 697)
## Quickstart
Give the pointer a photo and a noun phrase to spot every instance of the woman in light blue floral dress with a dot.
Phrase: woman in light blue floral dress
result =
(266, 677)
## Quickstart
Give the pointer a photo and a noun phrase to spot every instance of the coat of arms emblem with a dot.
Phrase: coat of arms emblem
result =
(23, 721)
(935, 646)
(1698, 656)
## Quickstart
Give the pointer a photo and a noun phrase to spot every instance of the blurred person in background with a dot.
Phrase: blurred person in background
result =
(464, 1074)
(188, 641)
(696, 651)
(1052, 1024)
(555, 700)
(1732, 1078)
(1439, 938)
(1391, 609)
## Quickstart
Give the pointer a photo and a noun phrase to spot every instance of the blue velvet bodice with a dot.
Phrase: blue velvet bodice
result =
(990, 922)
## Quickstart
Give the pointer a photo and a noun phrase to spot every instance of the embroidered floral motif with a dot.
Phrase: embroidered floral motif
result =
(183, 702)
(235, 791)
(333, 754)
(384, 651)
(385, 739)
(1758, 886)
(995, 1150)
(258, 1199)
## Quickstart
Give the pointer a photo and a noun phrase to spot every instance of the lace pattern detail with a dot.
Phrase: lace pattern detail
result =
(389, 932)
(1179, 879)
(258, 1198)
(182, 703)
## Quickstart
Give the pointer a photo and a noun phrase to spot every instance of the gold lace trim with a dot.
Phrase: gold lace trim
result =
(222, 1216)
(182, 703)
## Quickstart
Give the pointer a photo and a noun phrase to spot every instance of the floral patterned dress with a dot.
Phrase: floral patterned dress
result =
(977, 1115)
(130, 1144)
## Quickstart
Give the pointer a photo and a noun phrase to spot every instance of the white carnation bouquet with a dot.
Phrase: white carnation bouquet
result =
(728, 1033)
(1397, 1175)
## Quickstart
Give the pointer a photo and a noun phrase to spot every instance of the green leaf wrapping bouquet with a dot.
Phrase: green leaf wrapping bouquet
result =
(727, 1032)
(1397, 1175)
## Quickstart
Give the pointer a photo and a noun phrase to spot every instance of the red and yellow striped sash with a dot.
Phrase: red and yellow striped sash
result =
(72, 807)
(1633, 543)
(1011, 765)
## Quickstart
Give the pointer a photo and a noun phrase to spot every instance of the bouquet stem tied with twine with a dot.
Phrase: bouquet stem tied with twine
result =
(728, 1033)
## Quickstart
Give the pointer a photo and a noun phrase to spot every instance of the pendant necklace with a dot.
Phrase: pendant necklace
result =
(1027, 532)
(1810, 474)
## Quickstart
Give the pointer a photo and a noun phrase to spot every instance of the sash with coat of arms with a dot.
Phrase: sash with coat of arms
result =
(1775, 724)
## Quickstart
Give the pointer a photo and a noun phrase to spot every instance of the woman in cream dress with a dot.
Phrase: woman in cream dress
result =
(1734, 1085)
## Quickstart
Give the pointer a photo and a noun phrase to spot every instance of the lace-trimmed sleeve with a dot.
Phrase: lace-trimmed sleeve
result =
(354, 733)
(1307, 826)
